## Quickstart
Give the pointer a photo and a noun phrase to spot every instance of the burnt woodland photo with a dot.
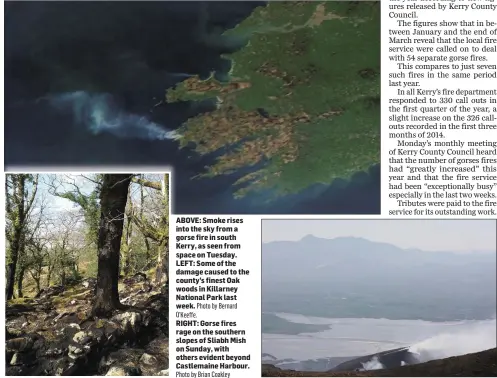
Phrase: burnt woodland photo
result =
(87, 274)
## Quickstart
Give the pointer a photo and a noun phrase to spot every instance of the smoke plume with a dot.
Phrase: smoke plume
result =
(99, 113)
(373, 364)
(474, 338)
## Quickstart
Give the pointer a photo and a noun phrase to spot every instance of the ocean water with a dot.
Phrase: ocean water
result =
(108, 64)
(359, 337)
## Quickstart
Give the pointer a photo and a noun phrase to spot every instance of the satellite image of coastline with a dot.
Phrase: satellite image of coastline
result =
(258, 107)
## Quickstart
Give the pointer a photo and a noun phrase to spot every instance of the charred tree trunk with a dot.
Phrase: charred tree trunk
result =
(147, 253)
(127, 265)
(165, 262)
(12, 264)
(38, 284)
(162, 272)
(18, 206)
(15, 243)
(113, 198)
(20, 278)
(163, 256)
(127, 248)
(63, 276)
(49, 275)
(147, 244)
(158, 270)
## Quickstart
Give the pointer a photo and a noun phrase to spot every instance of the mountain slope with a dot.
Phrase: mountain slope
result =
(389, 359)
(481, 364)
(351, 277)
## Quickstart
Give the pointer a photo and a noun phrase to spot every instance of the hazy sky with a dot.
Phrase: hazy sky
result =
(62, 182)
(47, 183)
(434, 235)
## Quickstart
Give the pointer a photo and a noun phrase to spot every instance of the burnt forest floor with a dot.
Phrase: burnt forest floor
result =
(55, 334)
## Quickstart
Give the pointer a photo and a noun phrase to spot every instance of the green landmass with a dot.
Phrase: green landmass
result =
(303, 95)
(274, 324)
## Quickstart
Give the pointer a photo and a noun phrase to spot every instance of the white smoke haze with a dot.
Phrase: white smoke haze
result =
(373, 364)
(100, 114)
(474, 338)
(181, 74)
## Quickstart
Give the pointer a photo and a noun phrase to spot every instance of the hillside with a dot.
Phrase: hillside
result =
(481, 364)
(55, 334)
(389, 359)
(342, 278)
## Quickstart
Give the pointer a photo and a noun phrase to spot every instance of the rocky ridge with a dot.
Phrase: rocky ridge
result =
(55, 334)
(481, 364)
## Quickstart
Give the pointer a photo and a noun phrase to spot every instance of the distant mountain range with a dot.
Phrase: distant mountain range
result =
(275, 324)
(318, 364)
(313, 257)
(355, 277)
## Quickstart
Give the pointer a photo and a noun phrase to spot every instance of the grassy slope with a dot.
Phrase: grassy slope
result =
(314, 68)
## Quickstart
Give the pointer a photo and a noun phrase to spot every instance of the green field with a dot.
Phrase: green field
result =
(303, 95)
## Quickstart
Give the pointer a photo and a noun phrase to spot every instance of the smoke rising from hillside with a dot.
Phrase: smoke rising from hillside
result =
(100, 113)
(475, 338)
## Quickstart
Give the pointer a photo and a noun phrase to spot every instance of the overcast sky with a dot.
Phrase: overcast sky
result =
(430, 235)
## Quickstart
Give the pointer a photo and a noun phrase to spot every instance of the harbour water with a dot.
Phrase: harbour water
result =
(359, 337)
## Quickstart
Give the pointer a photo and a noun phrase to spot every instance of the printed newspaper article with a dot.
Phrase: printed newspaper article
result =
(215, 296)
(439, 139)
